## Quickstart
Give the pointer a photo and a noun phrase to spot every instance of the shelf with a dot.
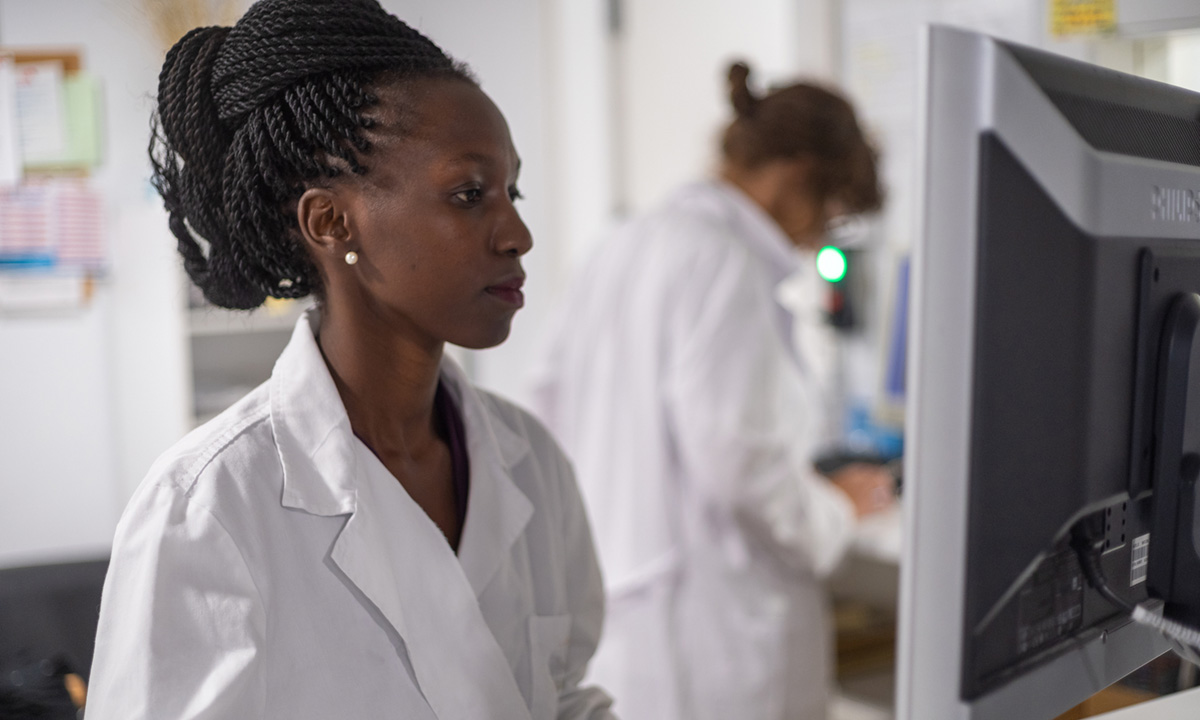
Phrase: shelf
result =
(276, 316)
(234, 351)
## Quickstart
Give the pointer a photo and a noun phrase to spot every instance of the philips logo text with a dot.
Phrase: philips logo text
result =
(1175, 205)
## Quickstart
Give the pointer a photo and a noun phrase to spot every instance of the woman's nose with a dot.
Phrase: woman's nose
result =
(512, 236)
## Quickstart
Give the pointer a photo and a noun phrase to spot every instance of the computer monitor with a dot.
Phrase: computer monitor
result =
(1051, 433)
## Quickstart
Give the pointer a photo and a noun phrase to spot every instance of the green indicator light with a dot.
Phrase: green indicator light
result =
(831, 264)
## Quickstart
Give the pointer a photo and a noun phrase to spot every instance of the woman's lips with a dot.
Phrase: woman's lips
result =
(509, 292)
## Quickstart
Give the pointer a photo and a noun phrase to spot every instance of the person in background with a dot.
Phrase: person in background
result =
(674, 385)
(366, 535)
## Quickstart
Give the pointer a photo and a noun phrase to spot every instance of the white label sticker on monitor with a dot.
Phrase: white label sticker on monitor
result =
(1139, 559)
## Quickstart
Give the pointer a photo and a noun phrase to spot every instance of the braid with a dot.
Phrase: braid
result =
(249, 116)
(186, 112)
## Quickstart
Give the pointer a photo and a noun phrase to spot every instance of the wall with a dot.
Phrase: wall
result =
(88, 398)
(673, 55)
(581, 119)
(1183, 60)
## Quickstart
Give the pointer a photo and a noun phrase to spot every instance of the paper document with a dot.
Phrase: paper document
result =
(10, 143)
(81, 118)
(40, 115)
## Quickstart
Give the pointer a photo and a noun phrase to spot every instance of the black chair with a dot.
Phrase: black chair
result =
(48, 616)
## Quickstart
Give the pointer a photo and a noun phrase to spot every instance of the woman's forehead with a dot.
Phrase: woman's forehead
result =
(449, 113)
(438, 133)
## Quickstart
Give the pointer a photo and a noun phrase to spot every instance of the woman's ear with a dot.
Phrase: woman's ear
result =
(323, 222)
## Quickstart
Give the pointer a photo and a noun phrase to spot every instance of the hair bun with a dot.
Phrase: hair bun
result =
(743, 101)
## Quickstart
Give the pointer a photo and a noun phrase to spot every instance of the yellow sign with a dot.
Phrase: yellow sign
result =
(1082, 17)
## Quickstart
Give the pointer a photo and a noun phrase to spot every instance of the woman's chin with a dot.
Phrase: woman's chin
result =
(484, 339)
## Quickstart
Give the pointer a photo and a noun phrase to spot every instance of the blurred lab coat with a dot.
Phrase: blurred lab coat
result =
(675, 384)
(271, 567)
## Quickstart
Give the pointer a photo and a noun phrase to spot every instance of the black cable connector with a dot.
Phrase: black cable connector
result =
(1088, 549)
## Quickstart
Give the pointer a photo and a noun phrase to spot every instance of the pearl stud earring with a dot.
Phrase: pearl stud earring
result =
(351, 257)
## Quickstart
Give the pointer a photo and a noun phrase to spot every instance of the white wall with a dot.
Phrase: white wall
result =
(88, 398)
(56, 437)
(1183, 60)
(581, 120)
(672, 85)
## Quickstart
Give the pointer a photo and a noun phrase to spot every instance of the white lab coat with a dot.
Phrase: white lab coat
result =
(673, 383)
(270, 567)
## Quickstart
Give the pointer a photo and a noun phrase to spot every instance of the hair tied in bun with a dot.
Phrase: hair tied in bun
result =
(743, 101)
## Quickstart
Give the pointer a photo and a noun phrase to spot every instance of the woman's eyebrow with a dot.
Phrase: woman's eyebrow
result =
(472, 156)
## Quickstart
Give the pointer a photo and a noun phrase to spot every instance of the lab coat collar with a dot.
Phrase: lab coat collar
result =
(497, 510)
(788, 269)
(761, 233)
(493, 434)
(320, 466)
(312, 430)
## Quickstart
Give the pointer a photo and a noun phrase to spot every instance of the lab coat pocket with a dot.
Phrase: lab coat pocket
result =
(548, 639)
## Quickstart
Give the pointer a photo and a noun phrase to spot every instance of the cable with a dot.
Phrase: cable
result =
(1177, 631)
(1185, 652)
(1088, 551)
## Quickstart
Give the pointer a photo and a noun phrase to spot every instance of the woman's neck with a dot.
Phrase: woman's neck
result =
(387, 381)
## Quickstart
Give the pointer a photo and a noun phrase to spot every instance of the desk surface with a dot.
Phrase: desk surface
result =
(1179, 706)
(870, 572)
(881, 536)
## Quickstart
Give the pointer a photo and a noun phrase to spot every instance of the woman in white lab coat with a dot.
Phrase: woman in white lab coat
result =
(366, 535)
(676, 387)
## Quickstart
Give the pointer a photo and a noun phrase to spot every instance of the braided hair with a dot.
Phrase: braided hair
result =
(804, 120)
(250, 116)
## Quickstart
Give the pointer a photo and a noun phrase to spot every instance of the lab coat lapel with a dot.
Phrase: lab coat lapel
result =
(312, 431)
(497, 510)
(401, 562)
(321, 467)
(389, 549)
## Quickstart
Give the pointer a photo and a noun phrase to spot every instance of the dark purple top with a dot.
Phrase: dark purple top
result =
(450, 425)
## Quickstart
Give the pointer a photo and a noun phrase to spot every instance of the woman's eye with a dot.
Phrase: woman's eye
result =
(470, 197)
(514, 194)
